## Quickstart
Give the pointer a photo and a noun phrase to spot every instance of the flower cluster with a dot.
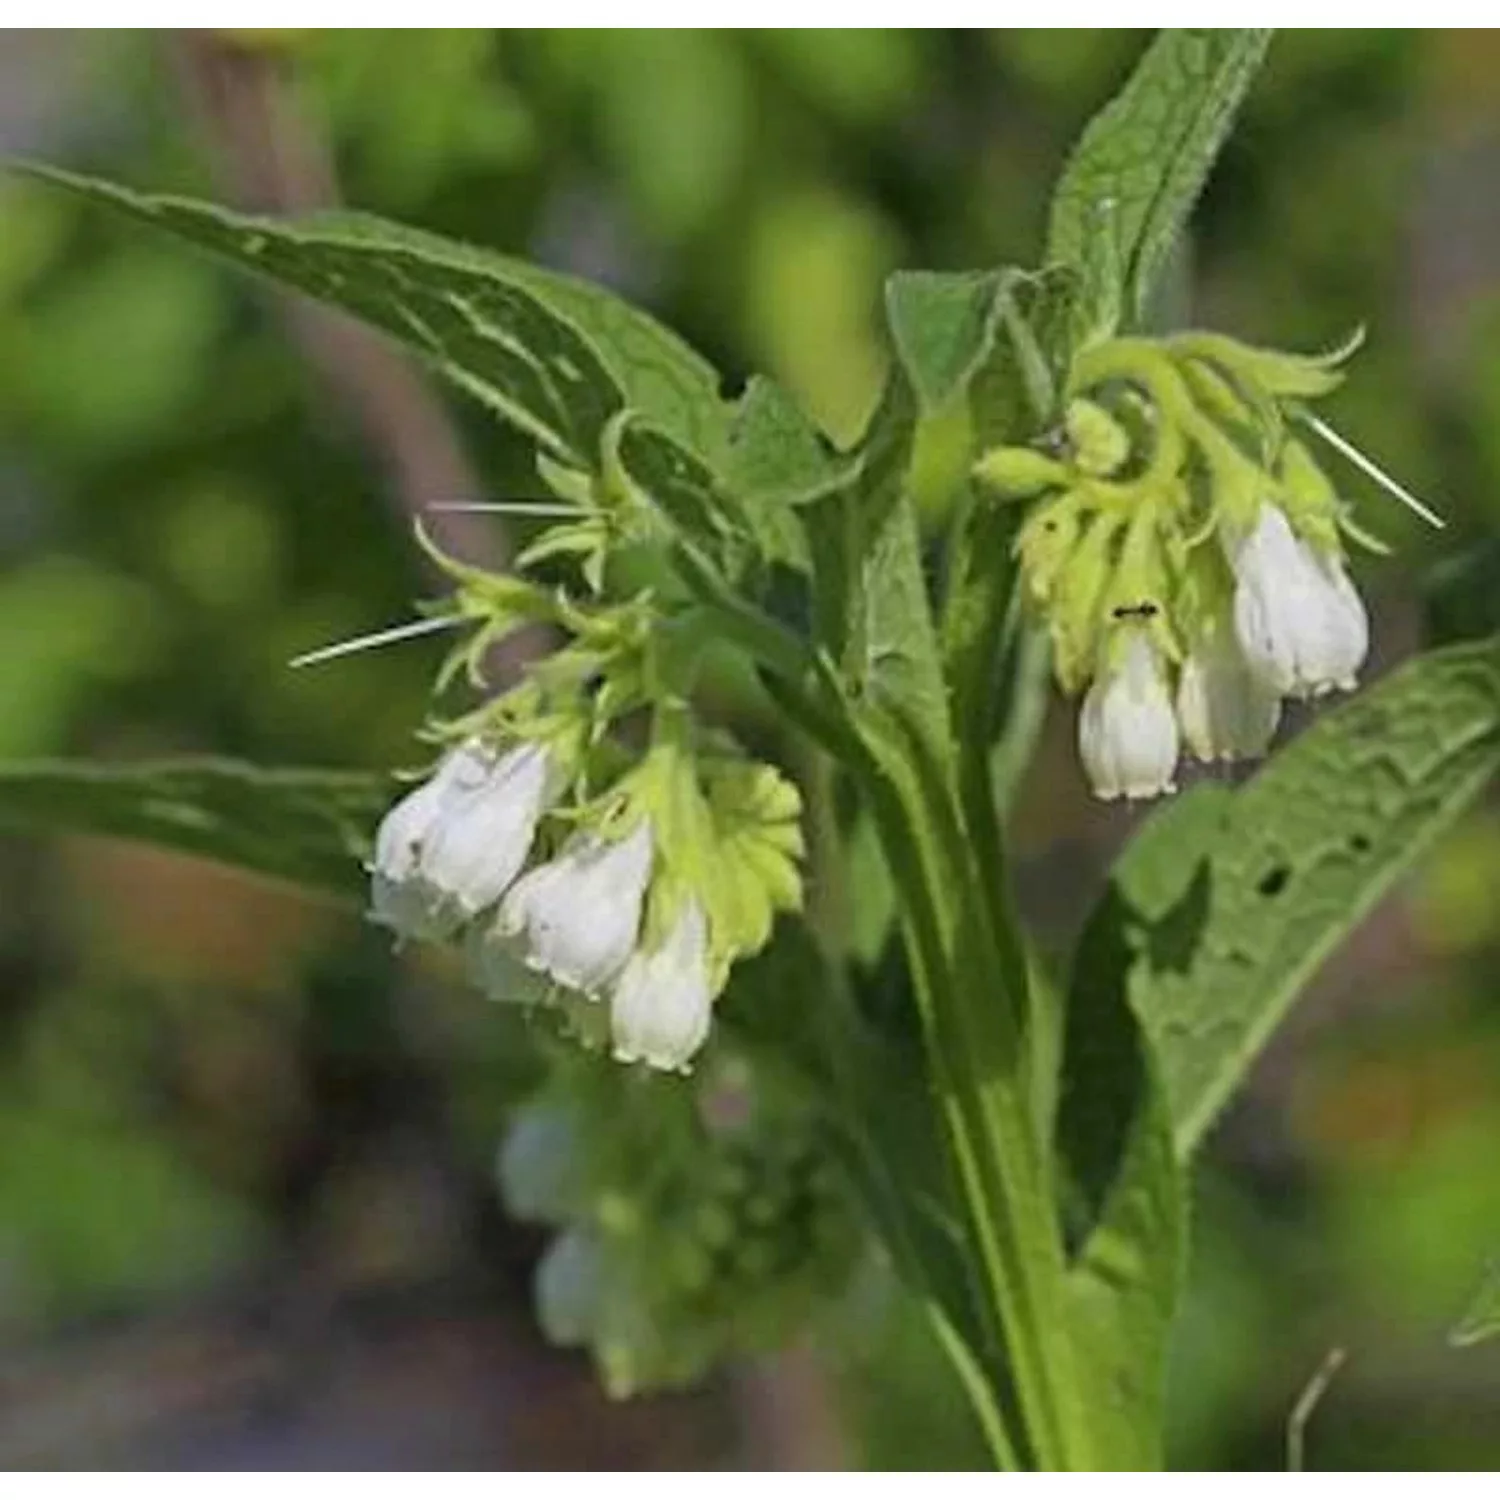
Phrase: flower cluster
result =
(633, 903)
(639, 892)
(1186, 553)
(740, 1226)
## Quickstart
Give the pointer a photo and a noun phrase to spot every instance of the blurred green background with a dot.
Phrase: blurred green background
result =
(246, 1204)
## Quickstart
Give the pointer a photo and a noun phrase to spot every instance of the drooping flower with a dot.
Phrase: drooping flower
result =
(453, 846)
(399, 897)
(1127, 732)
(1300, 622)
(570, 1287)
(577, 917)
(539, 1164)
(1225, 711)
(659, 1012)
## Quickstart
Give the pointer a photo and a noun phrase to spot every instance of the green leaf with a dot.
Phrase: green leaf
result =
(554, 355)
(1126, 1206)
(309, 828)
(779, 460)
(1123, 1290)
(775, 448)
(1481, 1319)
(1225, 904)
(943, 325)
(686, 493)
(948, 332)
(872, 615)
(1141, 162)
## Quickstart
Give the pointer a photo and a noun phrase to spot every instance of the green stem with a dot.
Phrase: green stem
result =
(974, 1039)
(956, 937)
(849, 1104)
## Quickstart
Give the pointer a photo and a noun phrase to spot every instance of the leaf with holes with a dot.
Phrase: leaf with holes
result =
(1139, 166)
(556, 356)
(1225, 904)
(308, 828)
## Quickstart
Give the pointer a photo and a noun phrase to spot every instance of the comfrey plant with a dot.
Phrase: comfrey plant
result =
(793, 1026)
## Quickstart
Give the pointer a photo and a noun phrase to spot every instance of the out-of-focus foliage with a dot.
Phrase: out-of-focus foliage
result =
(195, 1072)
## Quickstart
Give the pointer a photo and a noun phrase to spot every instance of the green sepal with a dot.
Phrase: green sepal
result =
(1099, 443)
(1285, 376)
(1020, 473)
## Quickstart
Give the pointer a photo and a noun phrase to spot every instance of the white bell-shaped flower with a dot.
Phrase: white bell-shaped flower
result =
(399, 897)
(660, 1009)
(483, 836)
(1225, 711)
(1127, 732)
(540, 1164)
(1300, 622)
(398, 841)
(570, 1287)
(577, 916)
(1350, 627)
(449, 849)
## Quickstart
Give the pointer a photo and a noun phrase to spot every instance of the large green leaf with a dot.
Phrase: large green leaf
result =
(310, 828)
(1141, 162)
(555, 355)
(1226, 903)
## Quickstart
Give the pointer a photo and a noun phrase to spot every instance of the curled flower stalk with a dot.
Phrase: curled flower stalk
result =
(1175, 497)
(610, 885)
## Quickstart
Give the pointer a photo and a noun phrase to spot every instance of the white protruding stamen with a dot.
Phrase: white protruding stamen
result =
(387, 637)
(1337, 441)
(506, 507)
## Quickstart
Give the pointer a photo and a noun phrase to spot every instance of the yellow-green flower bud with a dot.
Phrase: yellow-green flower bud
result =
(1100, 444)
(1019, 473)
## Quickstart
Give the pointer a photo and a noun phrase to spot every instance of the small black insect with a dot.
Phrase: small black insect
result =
(1143, 611)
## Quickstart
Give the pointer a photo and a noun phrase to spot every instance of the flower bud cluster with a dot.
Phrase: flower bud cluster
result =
(722, 1247)
(1185, 552)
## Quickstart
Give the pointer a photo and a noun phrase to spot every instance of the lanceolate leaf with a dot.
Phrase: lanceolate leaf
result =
(554, 355)
(1139, 166)
(309, 828)
(1227, 902)
(1214, 919)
